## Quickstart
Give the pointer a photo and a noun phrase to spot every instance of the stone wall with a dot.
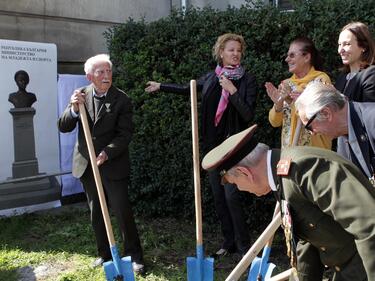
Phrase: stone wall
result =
(77, 26)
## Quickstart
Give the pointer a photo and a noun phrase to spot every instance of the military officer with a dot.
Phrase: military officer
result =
(331, 203)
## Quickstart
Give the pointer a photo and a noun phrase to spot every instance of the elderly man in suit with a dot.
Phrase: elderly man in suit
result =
(325, 201)
(323, 109)
(110, 120)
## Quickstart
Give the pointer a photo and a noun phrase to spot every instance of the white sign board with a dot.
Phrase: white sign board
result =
(39, 60)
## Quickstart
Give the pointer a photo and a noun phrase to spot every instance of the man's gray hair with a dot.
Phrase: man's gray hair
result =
(317, 96)
(89, 64)
(252, 159)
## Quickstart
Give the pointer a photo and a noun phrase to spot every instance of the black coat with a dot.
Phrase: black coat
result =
(238, 114)
(361, 87)
(111, 132)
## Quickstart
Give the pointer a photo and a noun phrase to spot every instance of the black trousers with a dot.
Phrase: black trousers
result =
(230, 212)
(116, 192)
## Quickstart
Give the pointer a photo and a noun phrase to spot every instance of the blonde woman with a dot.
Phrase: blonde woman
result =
(228, 106)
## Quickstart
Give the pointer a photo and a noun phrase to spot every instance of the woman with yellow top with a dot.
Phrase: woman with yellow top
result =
(305, 63)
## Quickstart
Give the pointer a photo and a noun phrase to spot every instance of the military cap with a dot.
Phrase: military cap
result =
(231, 151)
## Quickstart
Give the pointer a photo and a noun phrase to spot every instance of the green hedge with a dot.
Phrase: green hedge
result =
(178, 48)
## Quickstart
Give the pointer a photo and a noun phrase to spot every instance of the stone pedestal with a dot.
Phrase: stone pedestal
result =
(39, 191)
(25, 163)
(20, 197)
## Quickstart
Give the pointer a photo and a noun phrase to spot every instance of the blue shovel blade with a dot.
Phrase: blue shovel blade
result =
(254, 270)
(199, 268)
(260, 267)
(125, 271)
(118, 269)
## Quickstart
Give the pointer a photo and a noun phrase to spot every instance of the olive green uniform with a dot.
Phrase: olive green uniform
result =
(333, 211)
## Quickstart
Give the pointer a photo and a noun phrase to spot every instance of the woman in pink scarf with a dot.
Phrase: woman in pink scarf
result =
(228, 107)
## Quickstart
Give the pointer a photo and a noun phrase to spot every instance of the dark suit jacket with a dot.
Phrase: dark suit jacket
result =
(361, 87)
(111, 132)
(361, 136)
(333, 209)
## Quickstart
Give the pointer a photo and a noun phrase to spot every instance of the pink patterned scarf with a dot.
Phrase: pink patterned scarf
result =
(232, 73)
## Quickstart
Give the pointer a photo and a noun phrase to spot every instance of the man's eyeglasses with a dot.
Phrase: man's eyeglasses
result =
(308, 124)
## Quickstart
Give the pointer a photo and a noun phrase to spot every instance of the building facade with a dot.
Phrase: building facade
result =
(77, 27)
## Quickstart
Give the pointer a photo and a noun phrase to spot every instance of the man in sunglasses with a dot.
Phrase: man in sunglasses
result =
(325, 200)
(324, 110)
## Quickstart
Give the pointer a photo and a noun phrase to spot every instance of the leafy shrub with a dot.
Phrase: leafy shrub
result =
(178, 48)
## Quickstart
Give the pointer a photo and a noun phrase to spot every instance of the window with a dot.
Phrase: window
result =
(283, 4)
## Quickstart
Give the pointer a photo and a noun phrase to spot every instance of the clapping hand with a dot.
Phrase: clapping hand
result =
(294, 95)
(272, 92)
(286, 92)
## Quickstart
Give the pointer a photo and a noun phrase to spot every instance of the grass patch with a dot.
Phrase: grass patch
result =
(59, 245)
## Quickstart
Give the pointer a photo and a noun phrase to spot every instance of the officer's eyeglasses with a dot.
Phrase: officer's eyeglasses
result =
(308, 124)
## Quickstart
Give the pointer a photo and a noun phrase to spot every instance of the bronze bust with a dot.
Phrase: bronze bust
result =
(22, 98)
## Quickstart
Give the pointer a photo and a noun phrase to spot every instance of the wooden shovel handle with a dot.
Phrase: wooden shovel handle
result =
(98, 180)
(283, 276)
(196, 162)
(255, 249)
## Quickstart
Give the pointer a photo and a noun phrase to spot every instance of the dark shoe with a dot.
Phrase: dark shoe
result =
(99, 262)
(138, 268)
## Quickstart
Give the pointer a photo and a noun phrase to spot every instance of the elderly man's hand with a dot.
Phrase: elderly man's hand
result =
(102, 157)
(77, 98)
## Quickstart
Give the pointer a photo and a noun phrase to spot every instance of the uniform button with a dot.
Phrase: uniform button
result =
(363, 138)
(337, 268)
(323, 249)
(93, 138)
(311, 225)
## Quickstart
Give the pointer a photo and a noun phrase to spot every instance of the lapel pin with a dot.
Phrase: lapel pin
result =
(107, 106)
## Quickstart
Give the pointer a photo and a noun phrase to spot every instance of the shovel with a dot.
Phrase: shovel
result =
(117, 269)
(255, 249)
(260, 269)
(198, 268)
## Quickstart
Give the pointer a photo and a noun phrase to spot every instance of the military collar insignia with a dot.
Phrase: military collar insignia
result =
(283, 167)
